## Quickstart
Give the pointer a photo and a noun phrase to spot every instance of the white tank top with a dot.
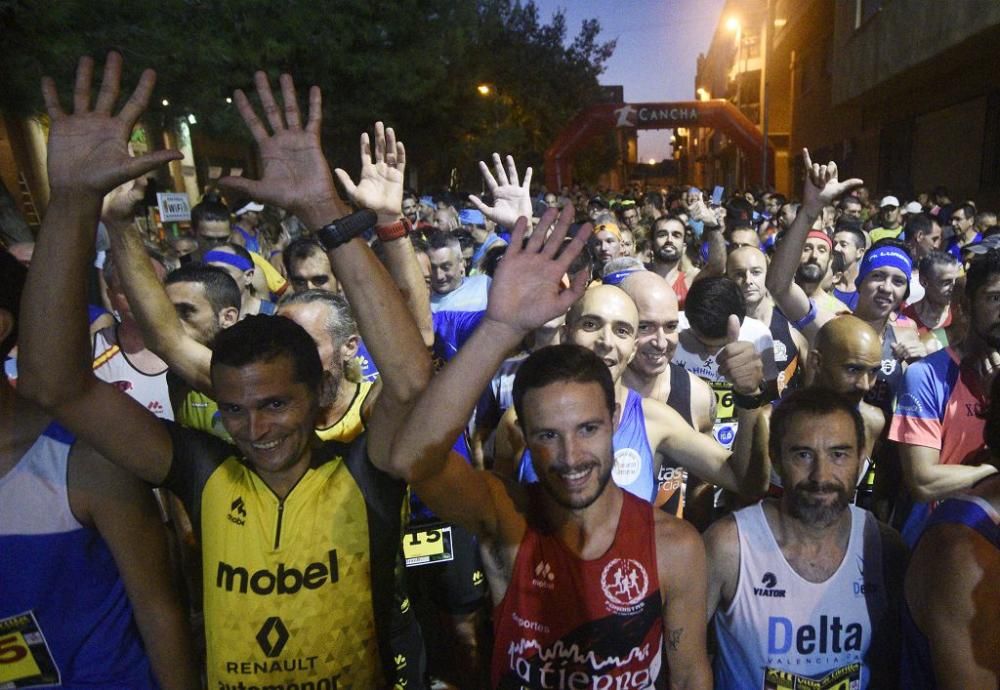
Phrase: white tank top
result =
(112, 365)
(781, 629)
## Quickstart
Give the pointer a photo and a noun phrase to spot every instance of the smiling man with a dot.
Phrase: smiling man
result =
(451, 289)
(648, 435)
(882, 284)
(275, 583)
(575, 563)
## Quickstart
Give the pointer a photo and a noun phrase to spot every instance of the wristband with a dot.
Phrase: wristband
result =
(394, 231)
(750, 402)
(808, 318)
(346, 229)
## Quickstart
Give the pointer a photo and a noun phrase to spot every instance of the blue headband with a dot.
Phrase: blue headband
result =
(880, 257)
(617, 277)
(226, 258)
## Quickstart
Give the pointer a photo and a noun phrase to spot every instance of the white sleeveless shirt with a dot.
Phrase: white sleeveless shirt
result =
(780, 629)
(111, 364)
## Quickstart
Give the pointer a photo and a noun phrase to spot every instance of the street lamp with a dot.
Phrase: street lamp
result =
(484, 89)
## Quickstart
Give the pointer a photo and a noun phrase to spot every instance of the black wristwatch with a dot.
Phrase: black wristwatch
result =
(751, 402)
(345, 229)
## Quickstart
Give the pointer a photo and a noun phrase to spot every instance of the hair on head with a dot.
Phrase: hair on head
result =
(221, 290)
(561, 363)
(813, 402)
(260, 338)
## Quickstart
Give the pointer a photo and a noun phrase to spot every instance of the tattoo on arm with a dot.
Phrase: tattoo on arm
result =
(674, 639)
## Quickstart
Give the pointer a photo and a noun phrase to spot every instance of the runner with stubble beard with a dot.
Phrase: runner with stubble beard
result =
(805, 590)
(668, 250)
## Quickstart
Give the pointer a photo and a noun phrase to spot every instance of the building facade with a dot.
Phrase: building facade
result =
(901, 93)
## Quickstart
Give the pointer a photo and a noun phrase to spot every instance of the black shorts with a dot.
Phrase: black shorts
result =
(458, 586)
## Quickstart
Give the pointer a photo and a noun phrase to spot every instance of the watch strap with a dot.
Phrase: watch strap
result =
(345, 229)
(394, 231)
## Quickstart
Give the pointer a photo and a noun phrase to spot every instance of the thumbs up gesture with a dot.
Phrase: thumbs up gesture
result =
(739, 362)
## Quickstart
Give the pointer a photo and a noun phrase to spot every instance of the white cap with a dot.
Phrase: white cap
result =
(251, 206)
(889, 201)
(914, 207)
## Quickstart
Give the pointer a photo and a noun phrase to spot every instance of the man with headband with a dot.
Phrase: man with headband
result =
(237, 262)
(606, 243)
(814, 269)
(883, 284)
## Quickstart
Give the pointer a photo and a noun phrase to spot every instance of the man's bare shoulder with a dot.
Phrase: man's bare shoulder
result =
(722, 538)
(675, 535)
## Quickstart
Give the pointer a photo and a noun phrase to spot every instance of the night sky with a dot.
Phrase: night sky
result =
(658, 46)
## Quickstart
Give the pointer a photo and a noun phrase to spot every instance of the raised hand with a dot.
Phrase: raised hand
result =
(296, 176)
(88, 149)
(739, 362)
(822, 186)
(527, 289)
(381, 185)
(511, 198)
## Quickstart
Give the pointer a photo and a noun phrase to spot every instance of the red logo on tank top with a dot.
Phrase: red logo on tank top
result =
(625, 583)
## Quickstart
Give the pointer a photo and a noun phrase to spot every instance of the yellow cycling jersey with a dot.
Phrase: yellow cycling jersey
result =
(297, 591)
(349, 426)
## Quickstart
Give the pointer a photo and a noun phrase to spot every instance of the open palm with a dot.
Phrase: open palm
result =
(295, 174)
(511, 197)
(527, 288)
(88, 149)
(380, 187)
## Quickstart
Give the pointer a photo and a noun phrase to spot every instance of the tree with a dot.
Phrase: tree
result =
(412, 63)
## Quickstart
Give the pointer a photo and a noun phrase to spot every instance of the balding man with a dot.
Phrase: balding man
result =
(653, 375)
(846, 359)
(747, 267)
(647, 432)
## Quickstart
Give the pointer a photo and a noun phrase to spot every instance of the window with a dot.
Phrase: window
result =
(865, 10)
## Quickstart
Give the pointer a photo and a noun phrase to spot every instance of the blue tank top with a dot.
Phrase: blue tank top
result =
(974, 513)
(250, 242)
(63, 607)
(634, 468)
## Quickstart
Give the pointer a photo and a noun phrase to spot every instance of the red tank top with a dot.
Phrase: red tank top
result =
(571, 623)
(680, 289)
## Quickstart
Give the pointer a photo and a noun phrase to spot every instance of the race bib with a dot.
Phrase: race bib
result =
(427, 544)
(25, 659)
(844, 678)
(725, 408)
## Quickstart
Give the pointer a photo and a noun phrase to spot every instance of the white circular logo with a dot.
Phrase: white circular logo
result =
(780, 351)
(628, 463)
(625, 583)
